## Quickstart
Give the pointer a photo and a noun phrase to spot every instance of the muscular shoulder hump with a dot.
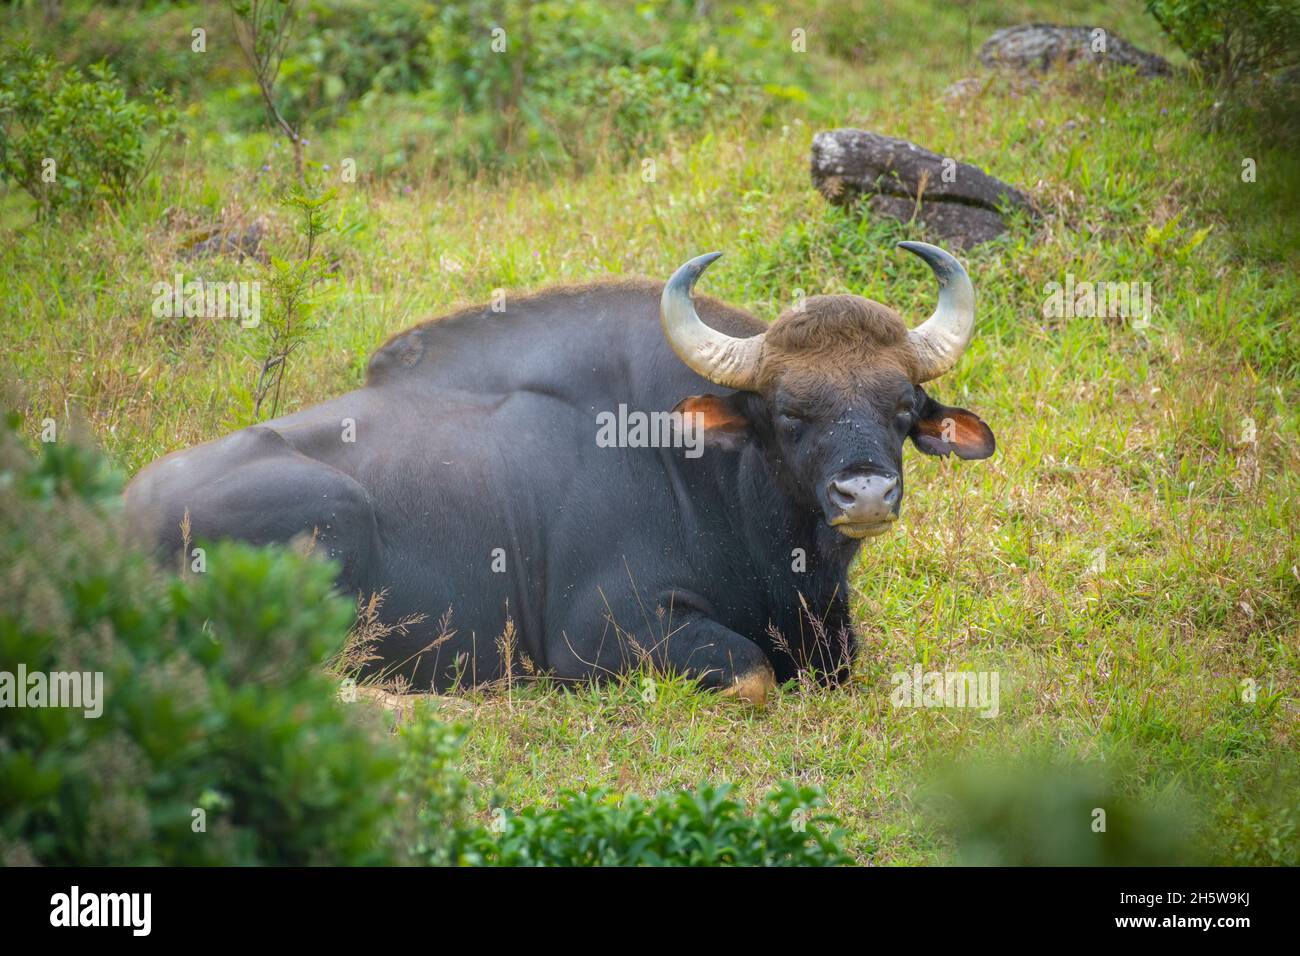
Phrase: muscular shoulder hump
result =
(564, 308)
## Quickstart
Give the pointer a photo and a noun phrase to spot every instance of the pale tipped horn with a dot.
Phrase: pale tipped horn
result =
(722, 359)
(939, 341)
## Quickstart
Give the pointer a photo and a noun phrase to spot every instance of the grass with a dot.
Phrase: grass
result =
(1113, 440)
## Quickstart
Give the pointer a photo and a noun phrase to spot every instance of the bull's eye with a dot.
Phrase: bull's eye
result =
(792, 426)
(903, 416)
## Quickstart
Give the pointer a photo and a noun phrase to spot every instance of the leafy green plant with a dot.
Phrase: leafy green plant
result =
(705, 827)
(1230, 39)
(1169, 241)
(445, 832)
(219, 740)
(69, 139)
(295, 296)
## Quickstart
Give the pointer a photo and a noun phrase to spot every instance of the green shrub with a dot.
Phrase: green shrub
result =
(68, 139)
(566, 80)
(1028, 812)
(577, 79)
(353, 47)
(572, 78)
(706, 827)
(444, 832)
(219, 741)
(1229, 39)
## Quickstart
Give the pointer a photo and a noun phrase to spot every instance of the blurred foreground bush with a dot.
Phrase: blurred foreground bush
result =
(221, 739)
(1031, 813)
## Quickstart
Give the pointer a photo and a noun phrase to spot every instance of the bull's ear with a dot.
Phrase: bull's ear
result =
(721, 421)
(940, 429)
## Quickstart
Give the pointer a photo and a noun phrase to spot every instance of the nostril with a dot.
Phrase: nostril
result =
(841, 494)
(893, 493)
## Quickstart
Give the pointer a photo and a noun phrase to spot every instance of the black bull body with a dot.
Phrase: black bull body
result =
(473, 480)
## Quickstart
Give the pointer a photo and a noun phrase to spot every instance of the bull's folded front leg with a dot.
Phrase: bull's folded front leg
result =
(718, 657)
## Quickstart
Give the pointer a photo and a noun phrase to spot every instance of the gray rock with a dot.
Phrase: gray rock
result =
(959, 202)
(1038, 46)
(959, 226)
(241, 244)
(865, 162)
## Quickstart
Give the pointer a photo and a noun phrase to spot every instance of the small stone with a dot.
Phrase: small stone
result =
(241, 243)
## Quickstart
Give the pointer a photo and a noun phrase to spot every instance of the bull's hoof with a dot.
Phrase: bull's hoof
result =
(753, 688)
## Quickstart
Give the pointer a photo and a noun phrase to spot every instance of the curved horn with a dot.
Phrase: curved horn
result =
(939, 341)
(722, 359)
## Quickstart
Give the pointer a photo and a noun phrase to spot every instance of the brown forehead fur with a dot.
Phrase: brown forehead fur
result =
(844, 340)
